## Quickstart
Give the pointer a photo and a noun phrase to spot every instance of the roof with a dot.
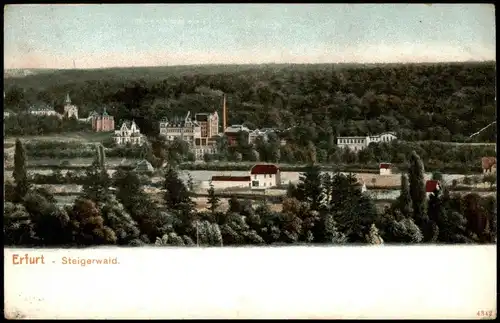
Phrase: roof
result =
(236, 129)
(144, 165)
(488, 162)
(431, 186)
(230, 178)
(264, 169)
(42, 107)
(385, 165)
(201, 116)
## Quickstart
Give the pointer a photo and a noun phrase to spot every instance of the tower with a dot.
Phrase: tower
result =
(70, 110)
(224, 113)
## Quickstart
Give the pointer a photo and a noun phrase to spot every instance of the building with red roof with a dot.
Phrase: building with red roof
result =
(265, 176)
(431, 186)
(385, 168)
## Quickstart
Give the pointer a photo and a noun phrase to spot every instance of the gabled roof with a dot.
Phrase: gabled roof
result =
(431, 186)
(261, 169)
(230, 178)
(385, 165)
(144, 166)
(488, 162)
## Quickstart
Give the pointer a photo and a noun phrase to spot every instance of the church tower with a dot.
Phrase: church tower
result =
(70, 110)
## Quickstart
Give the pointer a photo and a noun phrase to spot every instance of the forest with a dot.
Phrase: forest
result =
(420, 102)
(320, 209)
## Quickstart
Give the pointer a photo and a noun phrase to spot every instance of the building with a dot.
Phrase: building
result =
(432, 186)
(489, 165)
(102, 122)
(385, 169)
(144, 167)
(70, 110)
(357, 143)
(129, 133)
(232, 133)
(265, 176)
(43, 110)
(8, 113)
(223, 182)
(200, 133)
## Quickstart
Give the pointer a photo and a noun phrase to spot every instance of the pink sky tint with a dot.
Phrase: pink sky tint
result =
(367, 54)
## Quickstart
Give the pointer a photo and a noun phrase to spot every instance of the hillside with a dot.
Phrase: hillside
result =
(447, 102)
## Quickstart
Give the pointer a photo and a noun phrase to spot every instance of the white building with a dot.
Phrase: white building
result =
(385, 168)
(224, 182)
(265, 176)
(357, 143)
(129, 132)
(70, 110)
(42, 110)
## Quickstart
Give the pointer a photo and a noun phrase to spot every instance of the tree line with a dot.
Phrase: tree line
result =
(321, 208)
(447, 101)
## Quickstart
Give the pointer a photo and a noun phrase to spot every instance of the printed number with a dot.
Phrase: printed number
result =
(485, 313)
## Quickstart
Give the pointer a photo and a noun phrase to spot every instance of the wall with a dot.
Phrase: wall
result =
(385, 171)
(265, 180)
(227, 184)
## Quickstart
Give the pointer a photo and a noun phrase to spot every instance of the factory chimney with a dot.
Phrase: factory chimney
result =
(224, 113)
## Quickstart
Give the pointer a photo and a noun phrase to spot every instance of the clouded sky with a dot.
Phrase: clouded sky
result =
(97, 35)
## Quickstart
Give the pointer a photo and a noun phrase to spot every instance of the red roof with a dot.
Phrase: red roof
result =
(261, 169)
(385, 165)
(230, 178)
(488, 162)
(431, 185)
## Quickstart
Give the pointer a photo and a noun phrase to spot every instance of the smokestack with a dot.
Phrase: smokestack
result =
(224, 115)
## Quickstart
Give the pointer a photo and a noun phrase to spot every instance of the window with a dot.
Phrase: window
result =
(254, 176)
(255, 183)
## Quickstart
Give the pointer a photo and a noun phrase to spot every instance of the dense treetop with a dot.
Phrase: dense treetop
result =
(447, 101)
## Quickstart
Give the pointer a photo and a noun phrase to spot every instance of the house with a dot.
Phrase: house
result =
(70, 110)
(144, 167)
(232, 133)
(185, 129)
(102, 122)
(489, 165)
(8, 113)
(385, 168)
(223, 182)
(357, 143)
(265, 176)
(431, 186)
(129, 133)
(43, 110)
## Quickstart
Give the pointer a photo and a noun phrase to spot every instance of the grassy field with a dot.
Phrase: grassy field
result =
(81, 137)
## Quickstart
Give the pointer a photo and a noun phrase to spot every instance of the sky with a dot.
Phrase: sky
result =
(123, 35)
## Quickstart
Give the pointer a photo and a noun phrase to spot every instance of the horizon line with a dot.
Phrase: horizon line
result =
(249, 64)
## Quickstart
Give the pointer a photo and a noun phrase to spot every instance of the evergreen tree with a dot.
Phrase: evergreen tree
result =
(213, 199)
(176, 193)
(417, 190)
(20, 174)
(310, 187)
(404, 200)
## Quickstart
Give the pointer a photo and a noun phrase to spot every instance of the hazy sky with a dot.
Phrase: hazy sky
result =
(107, 35)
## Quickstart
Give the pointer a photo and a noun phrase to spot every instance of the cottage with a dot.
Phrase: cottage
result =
(265, 176)
(223, 182)
(233, 131)
(385, 168)
(489, 165)
(129, 132)
(432, 186)
(43, 110)
(144, 167)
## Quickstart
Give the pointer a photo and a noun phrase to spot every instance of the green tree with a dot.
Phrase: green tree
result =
(417, 190)
(176, 194)
(20, 174)
(213, 200)
(310, 187)
(404, 200)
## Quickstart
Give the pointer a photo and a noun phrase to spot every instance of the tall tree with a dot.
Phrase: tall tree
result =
(404, 200)
(176, 193)
(417, 189)
(310, 187)
(213, 200)
(20, 174)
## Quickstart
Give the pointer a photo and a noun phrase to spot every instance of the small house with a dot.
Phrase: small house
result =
(144, 167)
(223, 182)
(432, 186)
(265, 176)
(489, 165)
(385, 168)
